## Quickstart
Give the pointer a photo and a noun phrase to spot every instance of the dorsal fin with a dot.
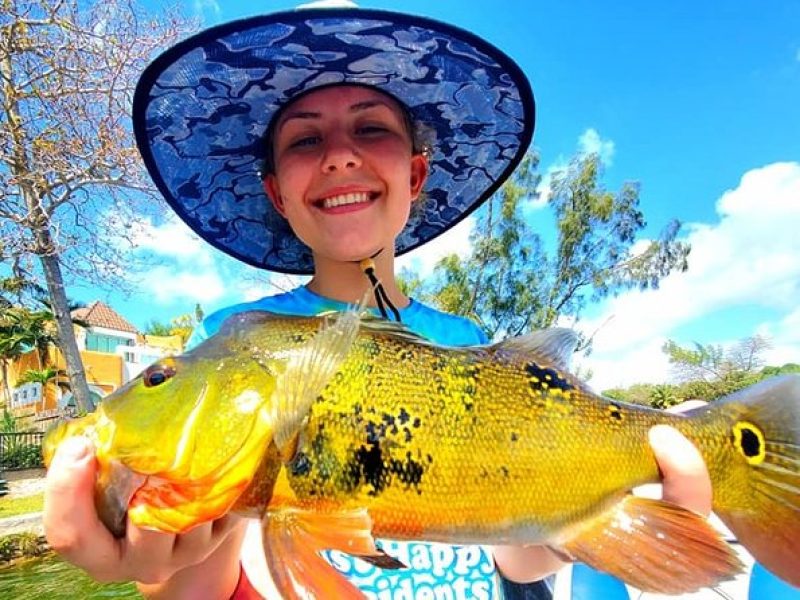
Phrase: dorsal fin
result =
(555, 346)
(377, 324)
(249, 317)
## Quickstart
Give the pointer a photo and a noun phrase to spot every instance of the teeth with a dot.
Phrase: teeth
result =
(353, 198)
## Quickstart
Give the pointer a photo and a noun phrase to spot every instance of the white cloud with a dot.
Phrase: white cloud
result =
(784, 335)
(170, 286)
(750, 258)
(452, 241)
(210, 7)
(590, 142)
(187, 269)
(173, 239)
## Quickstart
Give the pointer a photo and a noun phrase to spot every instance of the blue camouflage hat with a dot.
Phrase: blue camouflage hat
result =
(202, 108)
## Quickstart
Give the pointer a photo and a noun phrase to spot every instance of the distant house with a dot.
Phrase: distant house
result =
(113, 353)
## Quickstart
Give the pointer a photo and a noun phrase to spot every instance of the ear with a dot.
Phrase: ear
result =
(419, 174)
(273, 191)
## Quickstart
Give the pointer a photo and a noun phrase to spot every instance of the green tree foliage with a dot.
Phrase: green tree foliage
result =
(182, 325)
(710, 371)
(511, 283)
(706, 372)
(157, 328)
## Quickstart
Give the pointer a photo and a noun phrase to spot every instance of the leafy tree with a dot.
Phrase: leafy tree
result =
(157, 328)
(510, 283)
(710, 371)
(782, 370)
(42, 376)
(183, 325)
(663, 396)
(71, 183)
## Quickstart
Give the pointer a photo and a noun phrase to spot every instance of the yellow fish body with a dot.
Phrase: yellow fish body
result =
(337, 430)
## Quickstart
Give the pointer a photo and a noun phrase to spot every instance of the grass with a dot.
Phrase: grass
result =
(11, 507)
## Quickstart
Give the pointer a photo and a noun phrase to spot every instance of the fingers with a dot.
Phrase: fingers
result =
(70, 521)
(74, 530)
(684, 475)
(153, 556)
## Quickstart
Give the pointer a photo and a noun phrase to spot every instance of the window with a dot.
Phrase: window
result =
(99, 342)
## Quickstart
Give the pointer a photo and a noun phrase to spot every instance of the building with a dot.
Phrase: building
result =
(113, 353)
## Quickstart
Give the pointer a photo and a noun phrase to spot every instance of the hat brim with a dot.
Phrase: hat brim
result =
(201, 109)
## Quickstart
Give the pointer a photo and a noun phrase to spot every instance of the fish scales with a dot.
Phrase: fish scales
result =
(499, 440)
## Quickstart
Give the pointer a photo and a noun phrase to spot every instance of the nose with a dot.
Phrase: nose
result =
(340, 154)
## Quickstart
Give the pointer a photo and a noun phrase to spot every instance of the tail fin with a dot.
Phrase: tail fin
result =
(758, 495)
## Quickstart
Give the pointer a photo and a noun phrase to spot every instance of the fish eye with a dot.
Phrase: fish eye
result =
(157, 374)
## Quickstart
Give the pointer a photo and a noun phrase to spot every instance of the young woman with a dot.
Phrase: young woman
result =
(326, 142)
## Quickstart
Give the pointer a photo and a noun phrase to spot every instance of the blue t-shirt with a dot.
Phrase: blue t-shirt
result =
(432, 324)
(434, 570)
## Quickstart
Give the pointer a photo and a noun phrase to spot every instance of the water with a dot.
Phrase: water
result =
(50, 577)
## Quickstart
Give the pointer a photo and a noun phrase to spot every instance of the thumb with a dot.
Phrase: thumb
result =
(69, 493)
(684, 474)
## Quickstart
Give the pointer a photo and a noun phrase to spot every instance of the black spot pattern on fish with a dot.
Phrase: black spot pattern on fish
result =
(403, 416)
(542, 379)
(615, 411)
(372, 467)
(300, 465)
(373, 470)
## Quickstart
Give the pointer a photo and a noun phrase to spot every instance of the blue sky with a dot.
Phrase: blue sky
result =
(696, 101)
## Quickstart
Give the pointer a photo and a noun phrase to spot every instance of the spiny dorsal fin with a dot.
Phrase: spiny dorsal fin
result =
(303, 373)
(555, 346)
(377, 324)
(249, 318)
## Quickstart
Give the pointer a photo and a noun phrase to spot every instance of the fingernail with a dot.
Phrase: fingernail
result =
(661, 435)
(73, 449)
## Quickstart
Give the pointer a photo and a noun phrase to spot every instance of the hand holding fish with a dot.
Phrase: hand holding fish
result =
(75, 531)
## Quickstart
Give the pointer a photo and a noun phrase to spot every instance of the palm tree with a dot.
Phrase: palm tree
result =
(13, 341)
(22, 330)
(42, 376)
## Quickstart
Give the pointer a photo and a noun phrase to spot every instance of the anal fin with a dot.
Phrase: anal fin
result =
(293, 539)
(655, 546)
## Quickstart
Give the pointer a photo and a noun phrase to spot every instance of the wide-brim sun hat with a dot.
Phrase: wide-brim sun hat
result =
(201, 110)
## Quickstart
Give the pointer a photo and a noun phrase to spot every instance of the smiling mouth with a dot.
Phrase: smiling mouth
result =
(347, 199)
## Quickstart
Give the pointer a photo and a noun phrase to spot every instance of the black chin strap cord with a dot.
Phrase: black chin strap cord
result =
(381, 297)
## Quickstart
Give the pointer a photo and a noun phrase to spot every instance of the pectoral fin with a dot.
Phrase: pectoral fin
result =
(655, 546)
(304, 373)
(293, 539)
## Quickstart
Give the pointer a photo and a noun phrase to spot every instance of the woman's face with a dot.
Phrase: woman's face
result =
(345, 174)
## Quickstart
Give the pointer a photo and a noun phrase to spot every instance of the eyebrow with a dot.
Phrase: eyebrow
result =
(357, 107)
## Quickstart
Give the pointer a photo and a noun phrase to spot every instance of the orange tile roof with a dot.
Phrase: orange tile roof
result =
(98, 314)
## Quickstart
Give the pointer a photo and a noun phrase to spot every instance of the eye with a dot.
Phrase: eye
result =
(371, 129)
(157, 374)
(309, 140)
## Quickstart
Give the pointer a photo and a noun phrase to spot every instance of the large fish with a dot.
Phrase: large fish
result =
(337, 430)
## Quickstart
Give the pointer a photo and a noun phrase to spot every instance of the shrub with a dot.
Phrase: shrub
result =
(19, 545)
(23, 456)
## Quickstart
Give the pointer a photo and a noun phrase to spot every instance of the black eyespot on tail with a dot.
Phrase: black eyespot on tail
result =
(749, 440)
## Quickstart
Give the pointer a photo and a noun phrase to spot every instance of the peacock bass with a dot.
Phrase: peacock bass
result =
(340, 429)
